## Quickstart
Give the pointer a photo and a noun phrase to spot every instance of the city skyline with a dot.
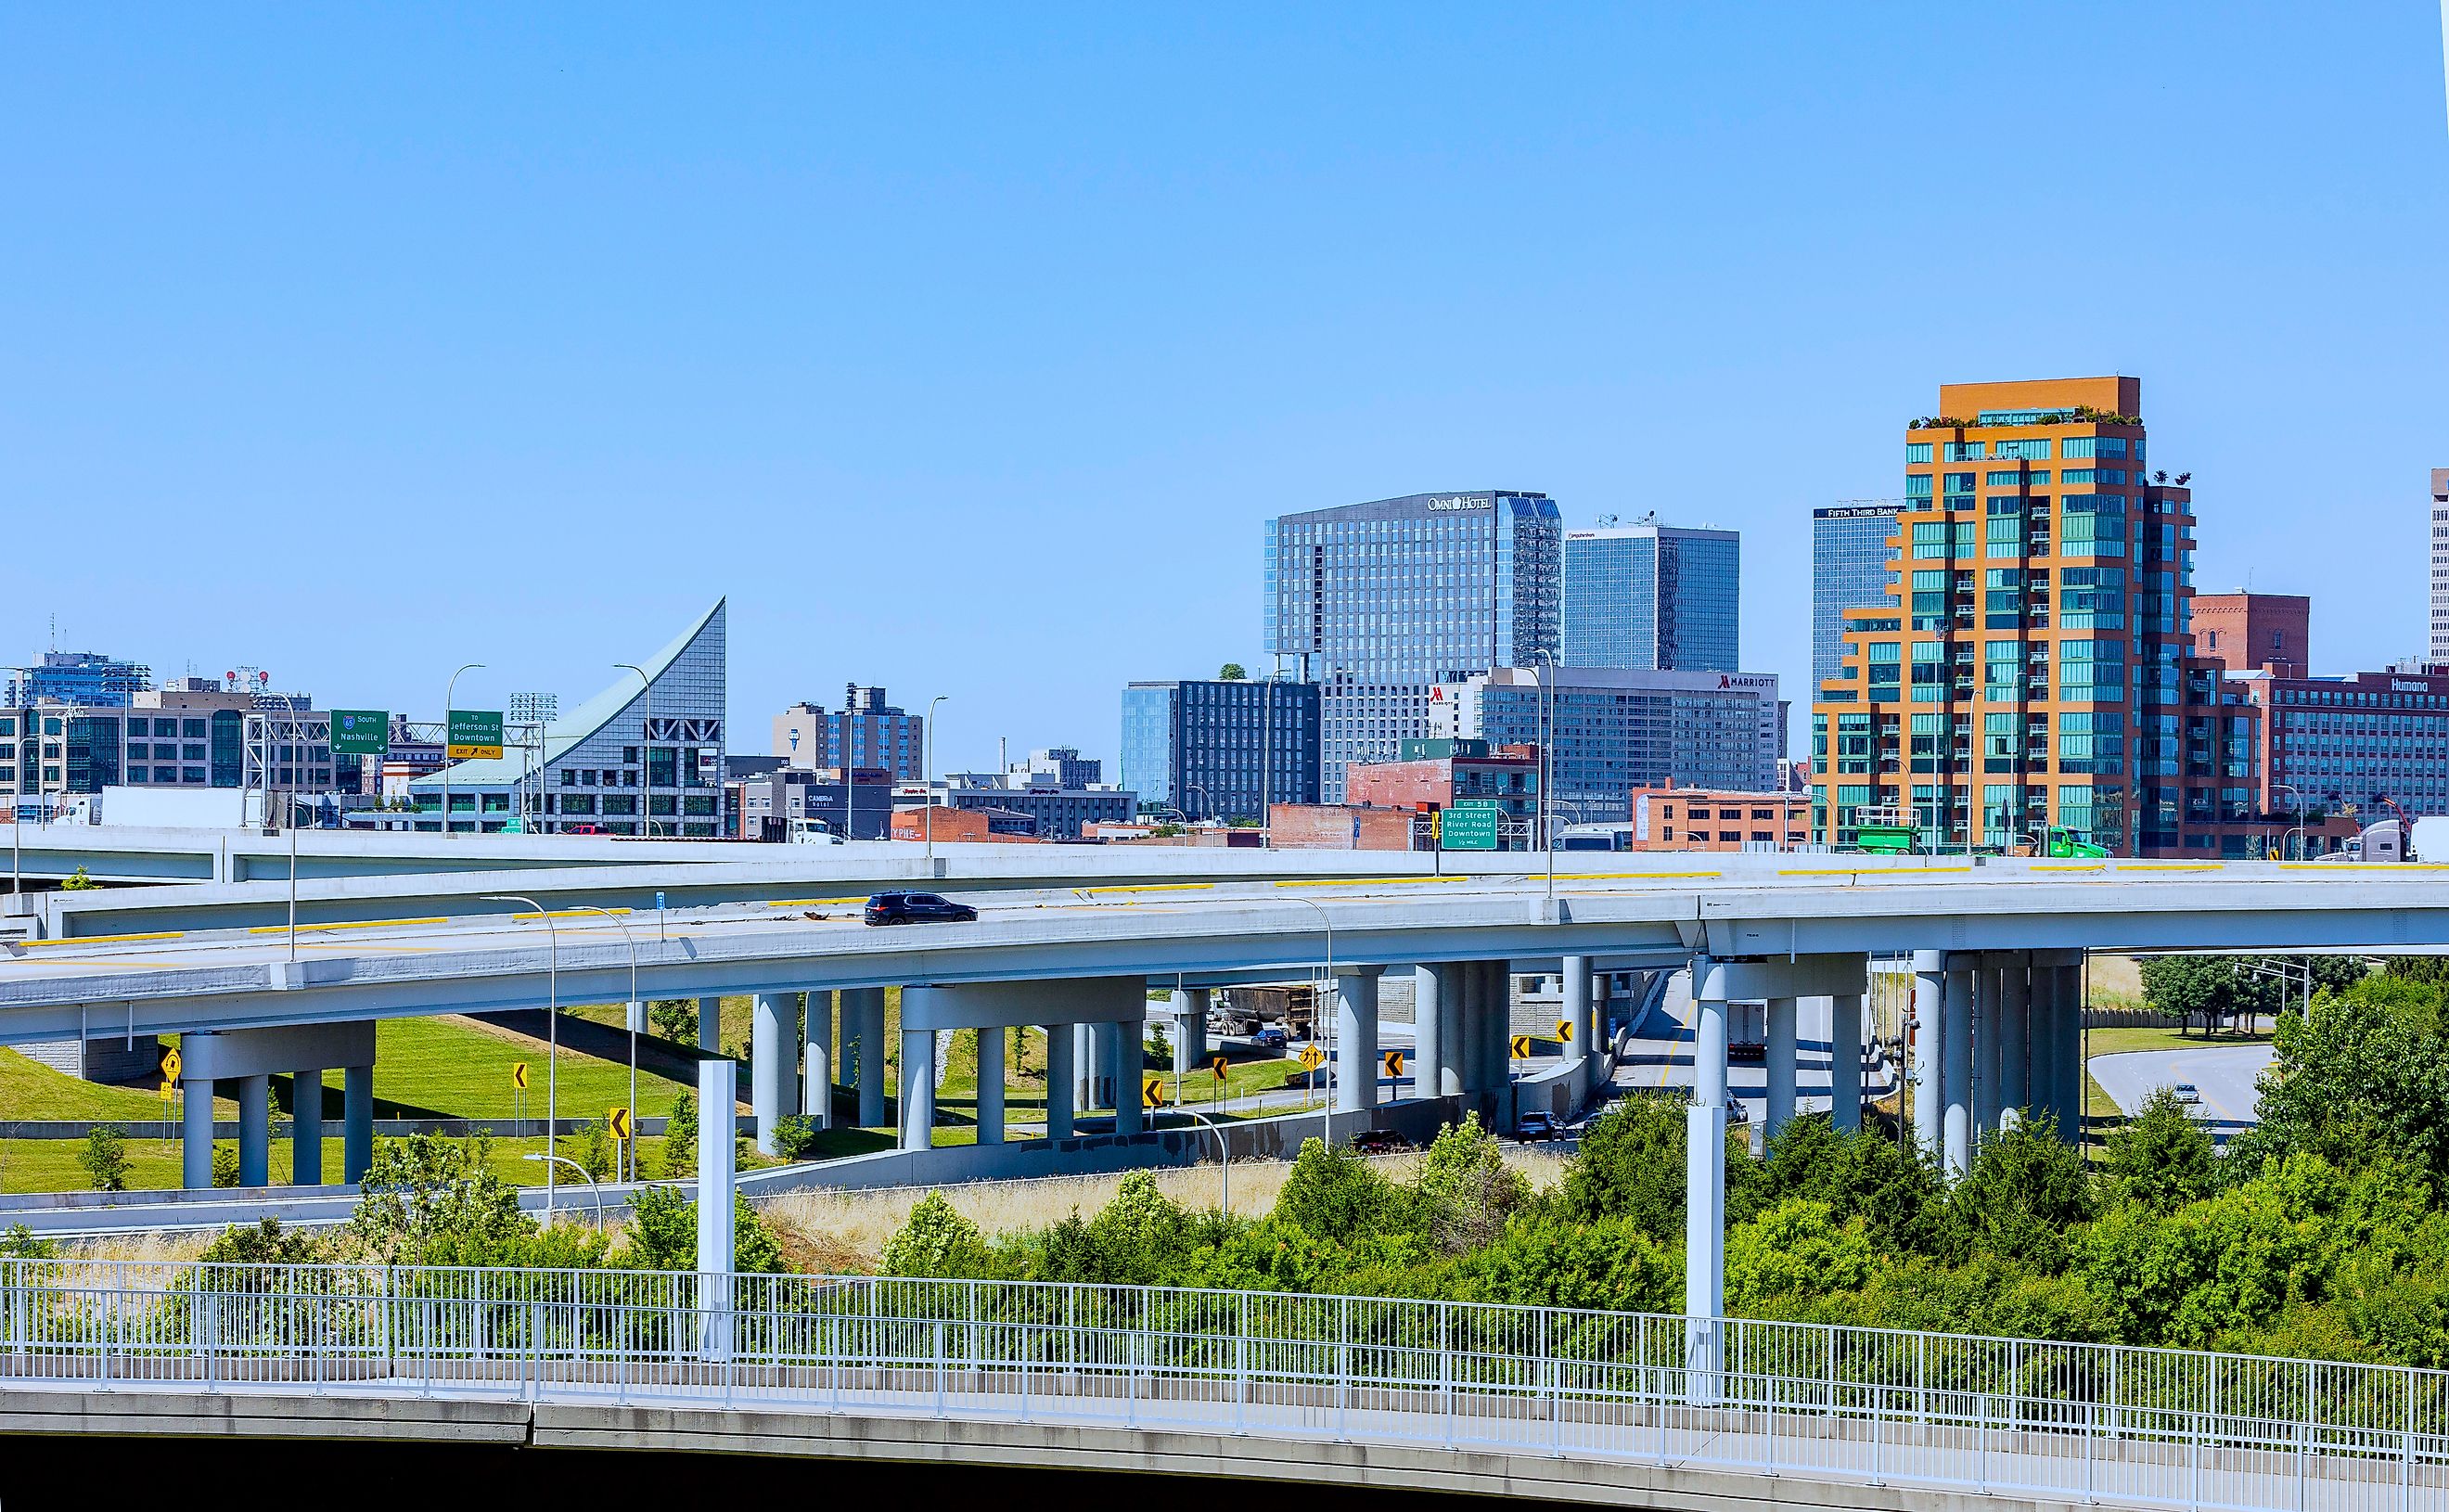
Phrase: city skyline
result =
(440, 315)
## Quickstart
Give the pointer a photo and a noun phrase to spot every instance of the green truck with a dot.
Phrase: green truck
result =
(1886, 832)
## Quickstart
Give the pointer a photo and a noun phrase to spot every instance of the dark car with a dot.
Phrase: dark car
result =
(1270, 1037)
(916, 908)
(1380, 1142)
(1533, 1127)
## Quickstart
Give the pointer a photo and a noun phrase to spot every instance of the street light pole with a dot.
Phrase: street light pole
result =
(584, 1174)
(647, 757)
(927, 814)
(2297, 830)
(1224, 1155)
(449, 694)
(552, 1027)
(1326, 1120)
(631, 942)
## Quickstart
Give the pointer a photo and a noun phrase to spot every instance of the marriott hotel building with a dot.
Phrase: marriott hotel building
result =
(1381, 603)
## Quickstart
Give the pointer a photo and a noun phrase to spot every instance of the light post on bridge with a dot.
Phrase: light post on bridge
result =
(552, 1027)
(584, 1174)
(450, 695)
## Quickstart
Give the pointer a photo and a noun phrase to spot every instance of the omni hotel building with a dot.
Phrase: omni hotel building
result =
(2032, 663)
(1380, 603)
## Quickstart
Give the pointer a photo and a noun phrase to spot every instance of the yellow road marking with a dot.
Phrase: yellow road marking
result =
(99, 939)
(2169, 866)
(813, 903)
(2097, 865)
(563, 913)
(361, 923)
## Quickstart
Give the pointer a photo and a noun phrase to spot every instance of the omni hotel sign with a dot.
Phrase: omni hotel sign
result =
(1459, 501)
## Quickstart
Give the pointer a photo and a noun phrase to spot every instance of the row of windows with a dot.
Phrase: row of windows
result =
(2032, 449)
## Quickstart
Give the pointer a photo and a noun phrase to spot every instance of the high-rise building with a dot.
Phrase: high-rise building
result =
(86, 678)
(1654, 597)
(1615, 730)
(1378, 603)
(1197, 746)
(869, 731)
(1851, 567)
(2035, 666)
(2440, 567)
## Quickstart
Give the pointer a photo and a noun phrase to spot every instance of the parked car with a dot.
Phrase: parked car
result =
(1533, 1127)
(1380, 1142)
(916, 908)
(1270, 1037)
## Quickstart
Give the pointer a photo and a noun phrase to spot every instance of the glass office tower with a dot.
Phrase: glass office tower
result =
(1651, 597)
(1850, 569)
(1378, 603)
(1196, 746)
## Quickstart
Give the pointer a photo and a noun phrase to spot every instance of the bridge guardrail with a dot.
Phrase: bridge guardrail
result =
(2093, 1423)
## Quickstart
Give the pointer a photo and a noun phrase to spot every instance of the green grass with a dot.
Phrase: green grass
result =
(453, 1067)
(32, 1090)
(2100, 1111)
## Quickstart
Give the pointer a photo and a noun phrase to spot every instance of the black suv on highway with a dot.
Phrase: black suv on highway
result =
(916, 908)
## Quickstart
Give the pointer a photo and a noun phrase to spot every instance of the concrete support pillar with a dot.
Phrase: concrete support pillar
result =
(1574, 1006)
(917, 1089)
(306, 1128)
(1189, 1030)
(1469, 1049)
(863, 1027)
(710, 1023)
(1845, 1062)
(718, 1186)
(1106, 1078)
(1602, 1035)
(1497, 1025)
(1453, 985)
(1929, 1026)
(1956, 1070)
(1705, 1189)
(1123, 1064)
(2068, 1058)
(2015, 1018)
(773, 1039)
(816, 1086)
(1781, 1057)
(1059, 1080)
(990, 1046)
(1988, 987)
(1429, 989)
(356, 1122)
(196, 1136)
(1084, 1077)
(255, 1131)
(1356, 1041)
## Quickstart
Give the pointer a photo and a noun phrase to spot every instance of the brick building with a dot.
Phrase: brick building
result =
(1672, 817)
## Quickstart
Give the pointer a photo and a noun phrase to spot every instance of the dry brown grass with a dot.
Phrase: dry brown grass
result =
(846, 1231)
(156, 1249)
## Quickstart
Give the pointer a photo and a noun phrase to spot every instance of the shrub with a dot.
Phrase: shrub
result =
(1610, 1264)
(105, 1159)
(1796, 1249)
(427, 1192)
(1631, 1166)
(2160, 1159)
(795, 1135)
(2025, 1191)
(1894, 1189)
(265, 1243)
(662, 1231)
(936, 1241)
(1336, 1195)
(224, 1166)
(1140, 1238)
(680, 1138)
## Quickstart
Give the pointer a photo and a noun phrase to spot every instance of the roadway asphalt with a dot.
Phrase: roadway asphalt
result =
(2224, 1074)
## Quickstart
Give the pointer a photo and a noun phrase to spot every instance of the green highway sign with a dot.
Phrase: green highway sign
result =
(1470, 824)
(361, 732)
(476, 734)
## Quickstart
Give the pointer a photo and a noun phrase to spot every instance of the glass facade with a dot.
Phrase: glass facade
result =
(1196, 746)
(1618, 729)
(1849, 569)
(1380, 602)
(1656, 597)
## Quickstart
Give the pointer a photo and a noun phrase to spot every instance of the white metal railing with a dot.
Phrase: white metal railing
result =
(2107, 1423)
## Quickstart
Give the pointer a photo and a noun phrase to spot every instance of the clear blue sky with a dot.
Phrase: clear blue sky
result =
(966, 350)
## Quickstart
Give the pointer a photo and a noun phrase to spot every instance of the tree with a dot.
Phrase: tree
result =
(674, 1019)
(428, 1192)
(105, 1159)
(77, 882)
(2211, 988)
(1140, 1237)
(1894, 1189)
(1466, 1190)
(2367, 1074)
(1606, 1266)
(662, 1231)
(1796, 1249)
(224, 1166)
(2161, 1158)
(2025, 1191)
(679, 1136)
(1233, 672)
(1631, 1166)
